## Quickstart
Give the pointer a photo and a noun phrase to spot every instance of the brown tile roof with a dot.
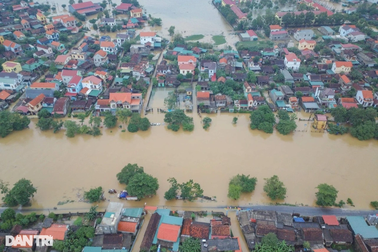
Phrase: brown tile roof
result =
(341, 235)
(226, 220)
(186, 227)
(360, 244)
(220, 97)
(37, 100)
(312, 234)
(150, 232)
(220, 230)
(262, 230)
(200, 230)
(214, 222)
(286, 235)
(4, 95)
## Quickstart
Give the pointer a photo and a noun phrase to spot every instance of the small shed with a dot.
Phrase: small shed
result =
(320, 121)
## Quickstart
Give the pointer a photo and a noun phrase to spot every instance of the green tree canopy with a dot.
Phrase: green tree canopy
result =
(177, 118)
(275, 188)
(190, 245)
(110, 120)
(285, 127)
(20, 194)
(123, 115)
(263, 119)
(326, 195)
(129, 171)
(142, 185)
(94, 195)
(188, 190)
(340, 114)
(270, 243)
(12, 121)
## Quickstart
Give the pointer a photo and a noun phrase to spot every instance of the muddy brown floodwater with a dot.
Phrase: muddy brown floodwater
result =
(61, 168)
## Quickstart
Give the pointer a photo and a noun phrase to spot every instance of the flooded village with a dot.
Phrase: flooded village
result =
(115, 116)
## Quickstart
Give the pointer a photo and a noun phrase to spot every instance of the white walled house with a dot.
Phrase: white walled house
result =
(365, 98)
(292, 62)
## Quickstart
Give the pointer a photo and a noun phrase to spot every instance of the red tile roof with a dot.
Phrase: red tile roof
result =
(18, 34)
(307, 99)
(103, 102)
(147, 34)
(168, 232)
(4, 95)
(37, 100)
(238, 12)
(307, 41)
(184, 58)
(330, 220)
(93, 79)
(275, 27)
(199, 230)
(136, 10)
(251, 33)
(323, 118)
(203, 95)
(128, 227)
(186, 227)
(107, 44)
(343, 63)
(220, 230)
(123, 6)
(101, 53)
(56, 231)
(292, 57)
(367, 94)
(345, 79)
(120, 97)
(83, 5)
(69, 72)
(187, 67)
(43, 85)
(84, 90)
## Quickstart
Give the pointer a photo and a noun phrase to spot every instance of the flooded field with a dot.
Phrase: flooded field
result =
(63, 168)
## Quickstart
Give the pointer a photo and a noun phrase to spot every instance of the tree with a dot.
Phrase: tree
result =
(53, 69)
(234, 191)
(340, 114)
(326, 195)
(206, 122)
(285, 127)
(171, 30)
(190, 245)
(262, 119)
(234, 120)
(190, 190)
(123, 115)
(94, 195)
(97, 121)
(251, 77)
(172, 191)
(129, 171)
(132, 128)
(298, 94)
(274, 188)
(279, 77)
(171, 101)
(92, 214)
(12, 121)
(81, 117)
(8, 215)
(110, 120)
(71, 128)
(95, 27)
(44, 123)
(72, 2)
(44, 113)
(337, 129)
(270, 242)
(177, 118)
(142, 185)
(20, 194)
(359, 116)
(365, 131)
(144, 124)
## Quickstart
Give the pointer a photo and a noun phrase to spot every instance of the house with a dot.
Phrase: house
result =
(41, 18)
(66, 20)
(359, 226)
(67, 75)
(112, 216)
(267, 70)
(286, 90)
(249, 35)
(132, 101)
(275, 28)
(305, 34)
(342, 66)
(348, 103)
(345, 83)
(92, 83)
(102, 75)
(52, 35)
(149, 38)
(240, 15)
(365, 98)
(279, 35)
(4, 95)
(18, 35)
(45, 49)
(308, 103)
(12, 47)
(57, 46)
(45, 85)
(10, 81)
(186, 60)
(74, 85)
(293, 102)
(77, 55)
(287, 76)
(186, 68)
(292, 62)
(326, 97)
(306, 44)
(100, 58)
(263, 80)
(199, 230)
(85, 8)
(11, 66)
(220, 101)
(326, 30)
(57, 231)
(320, 122)
(108, 47)
(25, 24)
(344, 30)
(62, 59)
(356, 36)
(312, 235)
(208, 67)
(204, 98)
(276, 95)
(365, 60)
(108, 21)
(121, 38)
(35, 105)
(204, 85)
(136, 13)
(140, 49)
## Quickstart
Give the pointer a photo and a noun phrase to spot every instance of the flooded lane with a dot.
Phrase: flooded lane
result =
(62, 168)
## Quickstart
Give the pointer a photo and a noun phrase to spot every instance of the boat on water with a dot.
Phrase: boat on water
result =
(124, 195)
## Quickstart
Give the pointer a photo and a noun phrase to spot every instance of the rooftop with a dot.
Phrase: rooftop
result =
(359, 226)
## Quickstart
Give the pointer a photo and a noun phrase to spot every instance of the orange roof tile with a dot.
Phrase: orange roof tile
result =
(367, 94)
(107, 44)
(103, 102)
(102, 53)
(348, 100)
(7, 43)
(136, 10)
(292, 57)
(186, 227)
(56, 231)
(43, 85)
(84, 90)
(147, 34)
(37, 100)
(330, 220)
(343, 63)
(135, 101)
(58, 76)
(55, 43)
(93, 79)
(321, 250)
(4, 95)
(307, 99)
(168, 232)
(222, 79)
(275, 27)
(293, 99)
(82, 45)
(18, 34)
(307, 41)
(125, 226)
(345, 79)
(223, 60)
(184, 58)
(205, 95)
(250, 98)
(23, 21)
(120, 97)
(100, 72)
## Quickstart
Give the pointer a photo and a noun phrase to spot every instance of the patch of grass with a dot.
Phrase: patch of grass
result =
(195, 37)
(259, 43)
(219, 39)
(65, 202)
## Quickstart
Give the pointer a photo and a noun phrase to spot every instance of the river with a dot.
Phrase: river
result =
(61, 168)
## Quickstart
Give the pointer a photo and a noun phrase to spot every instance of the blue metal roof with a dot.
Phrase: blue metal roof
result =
(359, 226)
(132, 212)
